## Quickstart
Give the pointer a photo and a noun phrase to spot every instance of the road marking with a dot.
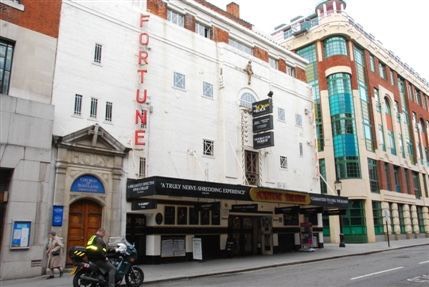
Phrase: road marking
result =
(375, 273)
(424, 262)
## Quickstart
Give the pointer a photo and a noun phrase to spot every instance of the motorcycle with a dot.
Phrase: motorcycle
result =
(123, 257)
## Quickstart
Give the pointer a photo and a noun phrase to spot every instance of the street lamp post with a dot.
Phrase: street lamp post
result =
(338, 187)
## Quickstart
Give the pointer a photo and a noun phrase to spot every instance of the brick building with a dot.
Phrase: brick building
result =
(372, 118)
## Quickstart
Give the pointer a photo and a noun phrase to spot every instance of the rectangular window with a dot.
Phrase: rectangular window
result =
(216, 214)
(208, 147)
(205, 216)
(281, 115)
(392, 78)
(322, 170)
(93, 111)
(283, 162)
(274, 63)
(397, 173)
(97, 53)
(6, 54)
(291, 71)
(175, 18)
(207, 90)
(240, 46)
(203, 30)
(109, 110)
(371, 63)
(301, 150)
(251, 167)
(193, 216)
(298, 120)
(378, 217)
(78, 105)
(169, 215)
(182, 215)
(142, 167)
(382, 70)
(373, 175)
(416, 180)
(179, 81)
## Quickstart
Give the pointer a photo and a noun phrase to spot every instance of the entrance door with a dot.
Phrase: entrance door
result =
(244, 231)
(84, 220)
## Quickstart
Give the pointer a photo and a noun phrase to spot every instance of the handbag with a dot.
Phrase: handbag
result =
(55, 253)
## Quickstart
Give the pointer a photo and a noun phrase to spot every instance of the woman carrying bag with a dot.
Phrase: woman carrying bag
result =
(54, 252)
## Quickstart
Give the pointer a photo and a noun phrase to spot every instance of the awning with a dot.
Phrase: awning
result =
(157, 185)
(332, 205)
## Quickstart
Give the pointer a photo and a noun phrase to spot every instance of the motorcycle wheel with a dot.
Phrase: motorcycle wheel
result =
(79, 282)
(134, 277)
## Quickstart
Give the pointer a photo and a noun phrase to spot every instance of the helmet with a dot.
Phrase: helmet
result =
(121, 248)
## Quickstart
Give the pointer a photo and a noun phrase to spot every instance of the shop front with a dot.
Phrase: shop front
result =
(165, 215)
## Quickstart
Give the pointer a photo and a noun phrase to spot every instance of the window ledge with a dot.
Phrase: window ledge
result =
(13, 4)
(95, 63)
(179, 89)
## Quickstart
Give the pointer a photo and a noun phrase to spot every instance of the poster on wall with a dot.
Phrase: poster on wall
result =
(20, 235)
(173, 247)
(57, 215)
(197, 249)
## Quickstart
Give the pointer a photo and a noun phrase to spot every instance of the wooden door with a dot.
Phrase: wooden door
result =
(84, 220)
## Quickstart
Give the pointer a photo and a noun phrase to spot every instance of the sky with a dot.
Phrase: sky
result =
(402, 26)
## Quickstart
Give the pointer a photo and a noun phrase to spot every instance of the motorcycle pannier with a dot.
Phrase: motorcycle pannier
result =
(77, 254)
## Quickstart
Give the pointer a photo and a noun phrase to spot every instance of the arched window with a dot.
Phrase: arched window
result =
(335, 46)
(387, 107)
(247, 99)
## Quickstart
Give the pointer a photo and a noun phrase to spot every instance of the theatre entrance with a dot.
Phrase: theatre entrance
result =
(251, 235)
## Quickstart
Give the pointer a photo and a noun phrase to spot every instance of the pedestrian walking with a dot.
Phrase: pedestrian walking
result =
(54, 252)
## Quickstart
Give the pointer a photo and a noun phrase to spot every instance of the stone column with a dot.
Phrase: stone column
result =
(426, 220)
(118, 195)
(395, 216)
(384, 207)
(407, 221)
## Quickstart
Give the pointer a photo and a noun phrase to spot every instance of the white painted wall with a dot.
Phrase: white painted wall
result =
(180, 119)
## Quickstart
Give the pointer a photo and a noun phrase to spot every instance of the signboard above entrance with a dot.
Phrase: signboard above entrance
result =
(87, 183)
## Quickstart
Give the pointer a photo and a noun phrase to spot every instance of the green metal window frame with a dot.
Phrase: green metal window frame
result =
(373, 175)
(377, 214)
(354, 224)
(397, 174)
(348, 167)
(387, 173)
(336, 45)
(326, 229)
(420, 219)
(401, 218)
(367, 121)
(6, 56)
(416, 181)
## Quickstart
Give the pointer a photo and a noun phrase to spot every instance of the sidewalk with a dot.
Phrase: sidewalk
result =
(174, 271)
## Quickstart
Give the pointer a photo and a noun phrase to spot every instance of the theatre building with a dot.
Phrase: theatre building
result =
(175, 121)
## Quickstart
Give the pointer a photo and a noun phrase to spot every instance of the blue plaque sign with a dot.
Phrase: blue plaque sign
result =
(57, 215)
(87, 183)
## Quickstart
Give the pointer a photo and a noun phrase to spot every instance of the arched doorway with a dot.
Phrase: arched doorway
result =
(84, 220)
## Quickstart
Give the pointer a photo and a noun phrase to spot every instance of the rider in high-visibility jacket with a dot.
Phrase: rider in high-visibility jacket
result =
(97, 249)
